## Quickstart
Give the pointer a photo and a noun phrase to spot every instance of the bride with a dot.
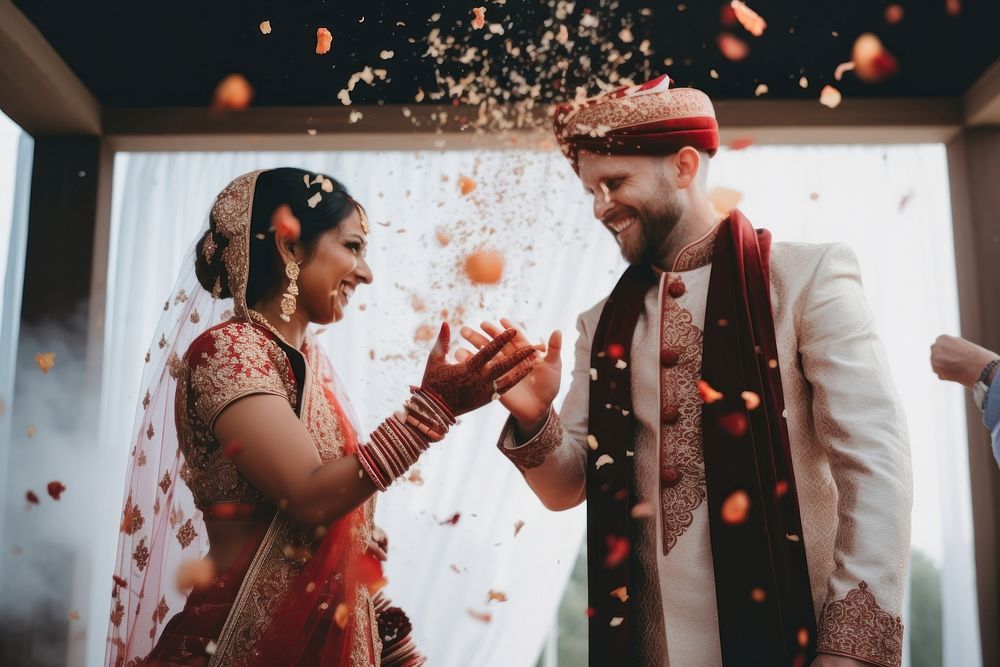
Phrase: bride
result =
(246, 442)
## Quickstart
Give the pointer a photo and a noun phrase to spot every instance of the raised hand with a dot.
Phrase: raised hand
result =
(476, 379)
(530, 400)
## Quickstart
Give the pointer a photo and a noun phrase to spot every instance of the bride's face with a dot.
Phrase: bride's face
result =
(335, 269)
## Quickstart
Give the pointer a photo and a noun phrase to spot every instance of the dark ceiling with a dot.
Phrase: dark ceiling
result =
(142, 54)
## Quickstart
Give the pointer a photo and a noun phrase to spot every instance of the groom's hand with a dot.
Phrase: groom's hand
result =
(531, 399)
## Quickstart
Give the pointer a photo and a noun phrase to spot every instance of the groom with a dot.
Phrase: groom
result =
(731, 422)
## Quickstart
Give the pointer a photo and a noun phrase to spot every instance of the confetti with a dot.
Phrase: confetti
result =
(621, 593)
(830, 97)
(618, 550)
(603, 460)
(495, 596)
(803, 82)
(736, 508)
(210, 648)
(792, 538)
(485, 267)
(751, 399)
(466, 184)
(323, 41)
(592, 441)
(642, 510)
(354, 117)
(733, 48)
(751, 21)
(518, 525)
(621, 365)
(285, 224)
(265, 27)
(195, 574)
(452, 520)
(55, 489)
(32, 498)
(386, 54)
(46, 361)
(838, 73)
(872, 63)
(616, 621)
(314, 200)
(724, 200)
(478, 18)
(761, 89)
(232, 94)
(708, 394)
(481, 616)
(625, 35)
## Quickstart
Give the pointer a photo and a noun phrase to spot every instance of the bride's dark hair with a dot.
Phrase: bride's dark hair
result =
(285, 185)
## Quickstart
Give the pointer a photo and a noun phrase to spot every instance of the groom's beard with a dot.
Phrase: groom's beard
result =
(655, 226)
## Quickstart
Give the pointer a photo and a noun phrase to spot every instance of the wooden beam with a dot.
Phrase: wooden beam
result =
(38, 91)
(427, 127)
(981, 103)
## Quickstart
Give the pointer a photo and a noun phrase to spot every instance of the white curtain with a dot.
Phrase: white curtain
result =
(890, 204)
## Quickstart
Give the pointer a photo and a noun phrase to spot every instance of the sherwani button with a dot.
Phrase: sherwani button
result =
(670, 476)
(676, 289)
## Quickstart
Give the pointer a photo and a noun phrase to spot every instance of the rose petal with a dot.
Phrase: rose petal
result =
(285, 224)
(485, 267)
(55, 489)
(736, 508)
(495, 596)
(751, 399)
(323, 41)
(733, 48)
(265, 27)
(233, 93)
(481, 616)
(708, 394)
(518, 525)
(603, 460)
(46, 361)
(621, 593)
(478, 18)
(751, 21)
(830, 97)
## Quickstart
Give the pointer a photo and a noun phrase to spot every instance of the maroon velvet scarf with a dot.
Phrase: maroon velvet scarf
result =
(762, 584)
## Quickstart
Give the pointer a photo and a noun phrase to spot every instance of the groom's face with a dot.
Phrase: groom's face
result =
(635, 199)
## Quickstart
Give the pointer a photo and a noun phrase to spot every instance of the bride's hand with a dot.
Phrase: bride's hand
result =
(378, 544)
(529, 402)
(475, 380)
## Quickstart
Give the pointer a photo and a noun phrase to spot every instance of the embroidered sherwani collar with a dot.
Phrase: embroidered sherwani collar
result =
(695, 254)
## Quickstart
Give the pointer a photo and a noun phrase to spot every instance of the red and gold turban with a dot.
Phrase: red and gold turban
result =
(647, 119)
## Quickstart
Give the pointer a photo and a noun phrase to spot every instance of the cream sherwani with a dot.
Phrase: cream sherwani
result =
(847, 436)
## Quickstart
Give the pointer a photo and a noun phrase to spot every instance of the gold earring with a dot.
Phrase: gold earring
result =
(288, 298)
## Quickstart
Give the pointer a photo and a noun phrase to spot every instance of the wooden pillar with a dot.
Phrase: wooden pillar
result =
(974, 168)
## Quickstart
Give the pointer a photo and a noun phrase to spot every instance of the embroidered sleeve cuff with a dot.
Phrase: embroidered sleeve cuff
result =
(858, 628)
(532, 453)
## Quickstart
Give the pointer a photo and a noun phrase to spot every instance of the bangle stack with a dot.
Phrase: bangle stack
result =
(399, 441)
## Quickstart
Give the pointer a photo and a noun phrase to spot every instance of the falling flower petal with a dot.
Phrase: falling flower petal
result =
(761, 89)
(495, 596)
(803, 82)
(894, 14)
(733, 48)
(478, 18)
(751, 21)
(642, 510)
(872, 63)
(195, 574)
(616, 351)
(386, 54)
(953, 7)
(31, 498)
(415, 477)
(424, 334)
(736, 508)
(621, 364)
(751, 399)
(838, 73)
(314, 200)
(341, 614)
(481, 616)
(592, 441)
(31, 431)
(792, 538)
(466, 184)
(46, 361)
(55, 489)
(734, 423)
(452, 520)
(618, 550)
(740, 144)
(830, 97)
(265, 27)
(708, 394)
(625, 35)
(616, 621)
(285, 224)
(518, 525)
(803, 637)
(724, 200)
(758, 595)
(323, 41)
(621, 593)
(232, 94)
(74, 615)
(231, 449)
(603, 460)
(454, 568)
(780, 489)
(485, 267)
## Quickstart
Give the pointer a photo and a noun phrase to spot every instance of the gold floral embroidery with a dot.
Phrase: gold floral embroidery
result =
(186, 534)
(176, 514)
(181, 297)
(131, 518)
(142, 458)
(195, 317)
(163, 341)
(141, 555)
(682, 464)
(146, 401)
(532, 453)
(150, 432)
(698, 254)
(118, 613)
(165, 482)
(230, 216)
(161, 610)
(175, 366)
(858, 628)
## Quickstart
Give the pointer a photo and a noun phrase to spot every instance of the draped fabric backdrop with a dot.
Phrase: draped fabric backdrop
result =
(890, 204)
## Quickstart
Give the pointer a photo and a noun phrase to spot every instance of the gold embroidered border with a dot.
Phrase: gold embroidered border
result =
(858, 628)
(532, 453)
